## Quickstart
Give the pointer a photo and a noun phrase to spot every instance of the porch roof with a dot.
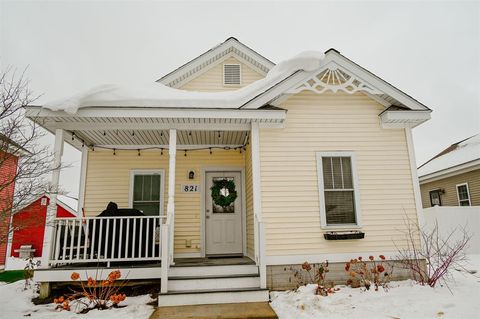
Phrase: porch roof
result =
(144, 128)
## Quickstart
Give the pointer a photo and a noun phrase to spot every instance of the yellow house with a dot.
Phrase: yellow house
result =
(230, 169)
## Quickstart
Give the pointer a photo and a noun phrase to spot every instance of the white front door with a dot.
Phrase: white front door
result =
(223, 224)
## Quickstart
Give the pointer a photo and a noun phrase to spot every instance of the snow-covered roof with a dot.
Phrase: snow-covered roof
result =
(160, 96)
(458, 155)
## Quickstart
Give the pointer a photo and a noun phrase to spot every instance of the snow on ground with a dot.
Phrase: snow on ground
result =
(16, 303)
(404, 299)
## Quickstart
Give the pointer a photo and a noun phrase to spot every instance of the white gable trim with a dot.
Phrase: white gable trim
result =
(214, 56)
(368, 83)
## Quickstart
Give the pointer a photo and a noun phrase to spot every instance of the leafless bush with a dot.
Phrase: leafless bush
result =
(429, 256)
(20, 146)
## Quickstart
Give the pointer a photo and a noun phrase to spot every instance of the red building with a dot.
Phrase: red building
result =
(32, 220)
(10, 153)
(8, 169)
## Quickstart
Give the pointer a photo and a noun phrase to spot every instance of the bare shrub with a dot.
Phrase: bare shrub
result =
(429, 256)
(314, 274)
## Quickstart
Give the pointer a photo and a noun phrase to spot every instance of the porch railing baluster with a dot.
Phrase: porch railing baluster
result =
(92, 251)
(79, 237)
(107, 231)
(147, 237)
(114, 239)
(58, 228)
(104, 242)
(72, 239)
(86, 241)
(126, 241)
(99, 252)
(119, 254)
(140, 241)
(134, 236)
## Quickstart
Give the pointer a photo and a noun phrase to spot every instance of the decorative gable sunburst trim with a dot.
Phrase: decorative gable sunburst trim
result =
(230, 48)
(334, 78)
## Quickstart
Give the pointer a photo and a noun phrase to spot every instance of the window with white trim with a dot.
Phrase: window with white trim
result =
(463, 195)
(232, 74)
(146, 192)
(338, 188)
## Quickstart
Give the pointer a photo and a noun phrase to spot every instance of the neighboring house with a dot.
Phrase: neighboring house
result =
(10, 152)
(452, 177)
(230, 156)
(29, 228)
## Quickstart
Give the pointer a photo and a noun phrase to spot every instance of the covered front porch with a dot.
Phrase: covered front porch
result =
(159, 167)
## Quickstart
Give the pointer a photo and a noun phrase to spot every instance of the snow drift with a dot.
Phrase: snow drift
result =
(159, 95)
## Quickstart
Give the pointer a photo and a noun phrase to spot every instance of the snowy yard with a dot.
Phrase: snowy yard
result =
(16, 303)
(405, 299)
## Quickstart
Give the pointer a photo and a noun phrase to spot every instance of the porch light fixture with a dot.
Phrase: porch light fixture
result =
(191, 174)
(210, 150)
(114, 152)
(185, 153)
(73, 136)
(138, 152)
(161, 151)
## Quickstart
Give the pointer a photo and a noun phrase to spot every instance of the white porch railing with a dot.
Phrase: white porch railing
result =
(107, 239)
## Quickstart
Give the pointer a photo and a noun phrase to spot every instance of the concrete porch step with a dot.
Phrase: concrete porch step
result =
(223, 270)
(206, 297)
(213, 282)
(252, 310)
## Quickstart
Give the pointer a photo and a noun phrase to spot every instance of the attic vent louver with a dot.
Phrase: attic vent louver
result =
(231, 74)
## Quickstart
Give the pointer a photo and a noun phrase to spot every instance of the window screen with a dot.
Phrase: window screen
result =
(339, 190)
(146, 193)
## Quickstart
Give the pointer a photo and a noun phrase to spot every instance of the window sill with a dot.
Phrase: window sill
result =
(341, 227)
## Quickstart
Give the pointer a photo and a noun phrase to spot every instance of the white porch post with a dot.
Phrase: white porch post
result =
(172, 151)
(52, 207)
(81, 189)
(259, 231)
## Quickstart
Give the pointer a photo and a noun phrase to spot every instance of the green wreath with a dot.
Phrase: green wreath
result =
(218, 198)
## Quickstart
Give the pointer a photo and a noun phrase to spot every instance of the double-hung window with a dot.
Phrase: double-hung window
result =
(463, 195)
(146, 191)
(338, 188)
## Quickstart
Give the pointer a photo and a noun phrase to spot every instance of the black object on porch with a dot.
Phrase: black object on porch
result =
(129, 239)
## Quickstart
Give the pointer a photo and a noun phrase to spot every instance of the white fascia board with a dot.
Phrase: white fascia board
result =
(149, 112)
(275, 91)
(375, 81)
(451, 171)
(203, 58)
(332, 57)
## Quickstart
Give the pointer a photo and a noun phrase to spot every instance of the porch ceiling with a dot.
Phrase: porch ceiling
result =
(138, 139)
(147, 128)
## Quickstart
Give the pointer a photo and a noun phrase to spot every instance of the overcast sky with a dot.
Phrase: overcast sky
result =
(430, 50)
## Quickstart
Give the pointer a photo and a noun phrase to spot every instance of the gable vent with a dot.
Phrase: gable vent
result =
(231, 74)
